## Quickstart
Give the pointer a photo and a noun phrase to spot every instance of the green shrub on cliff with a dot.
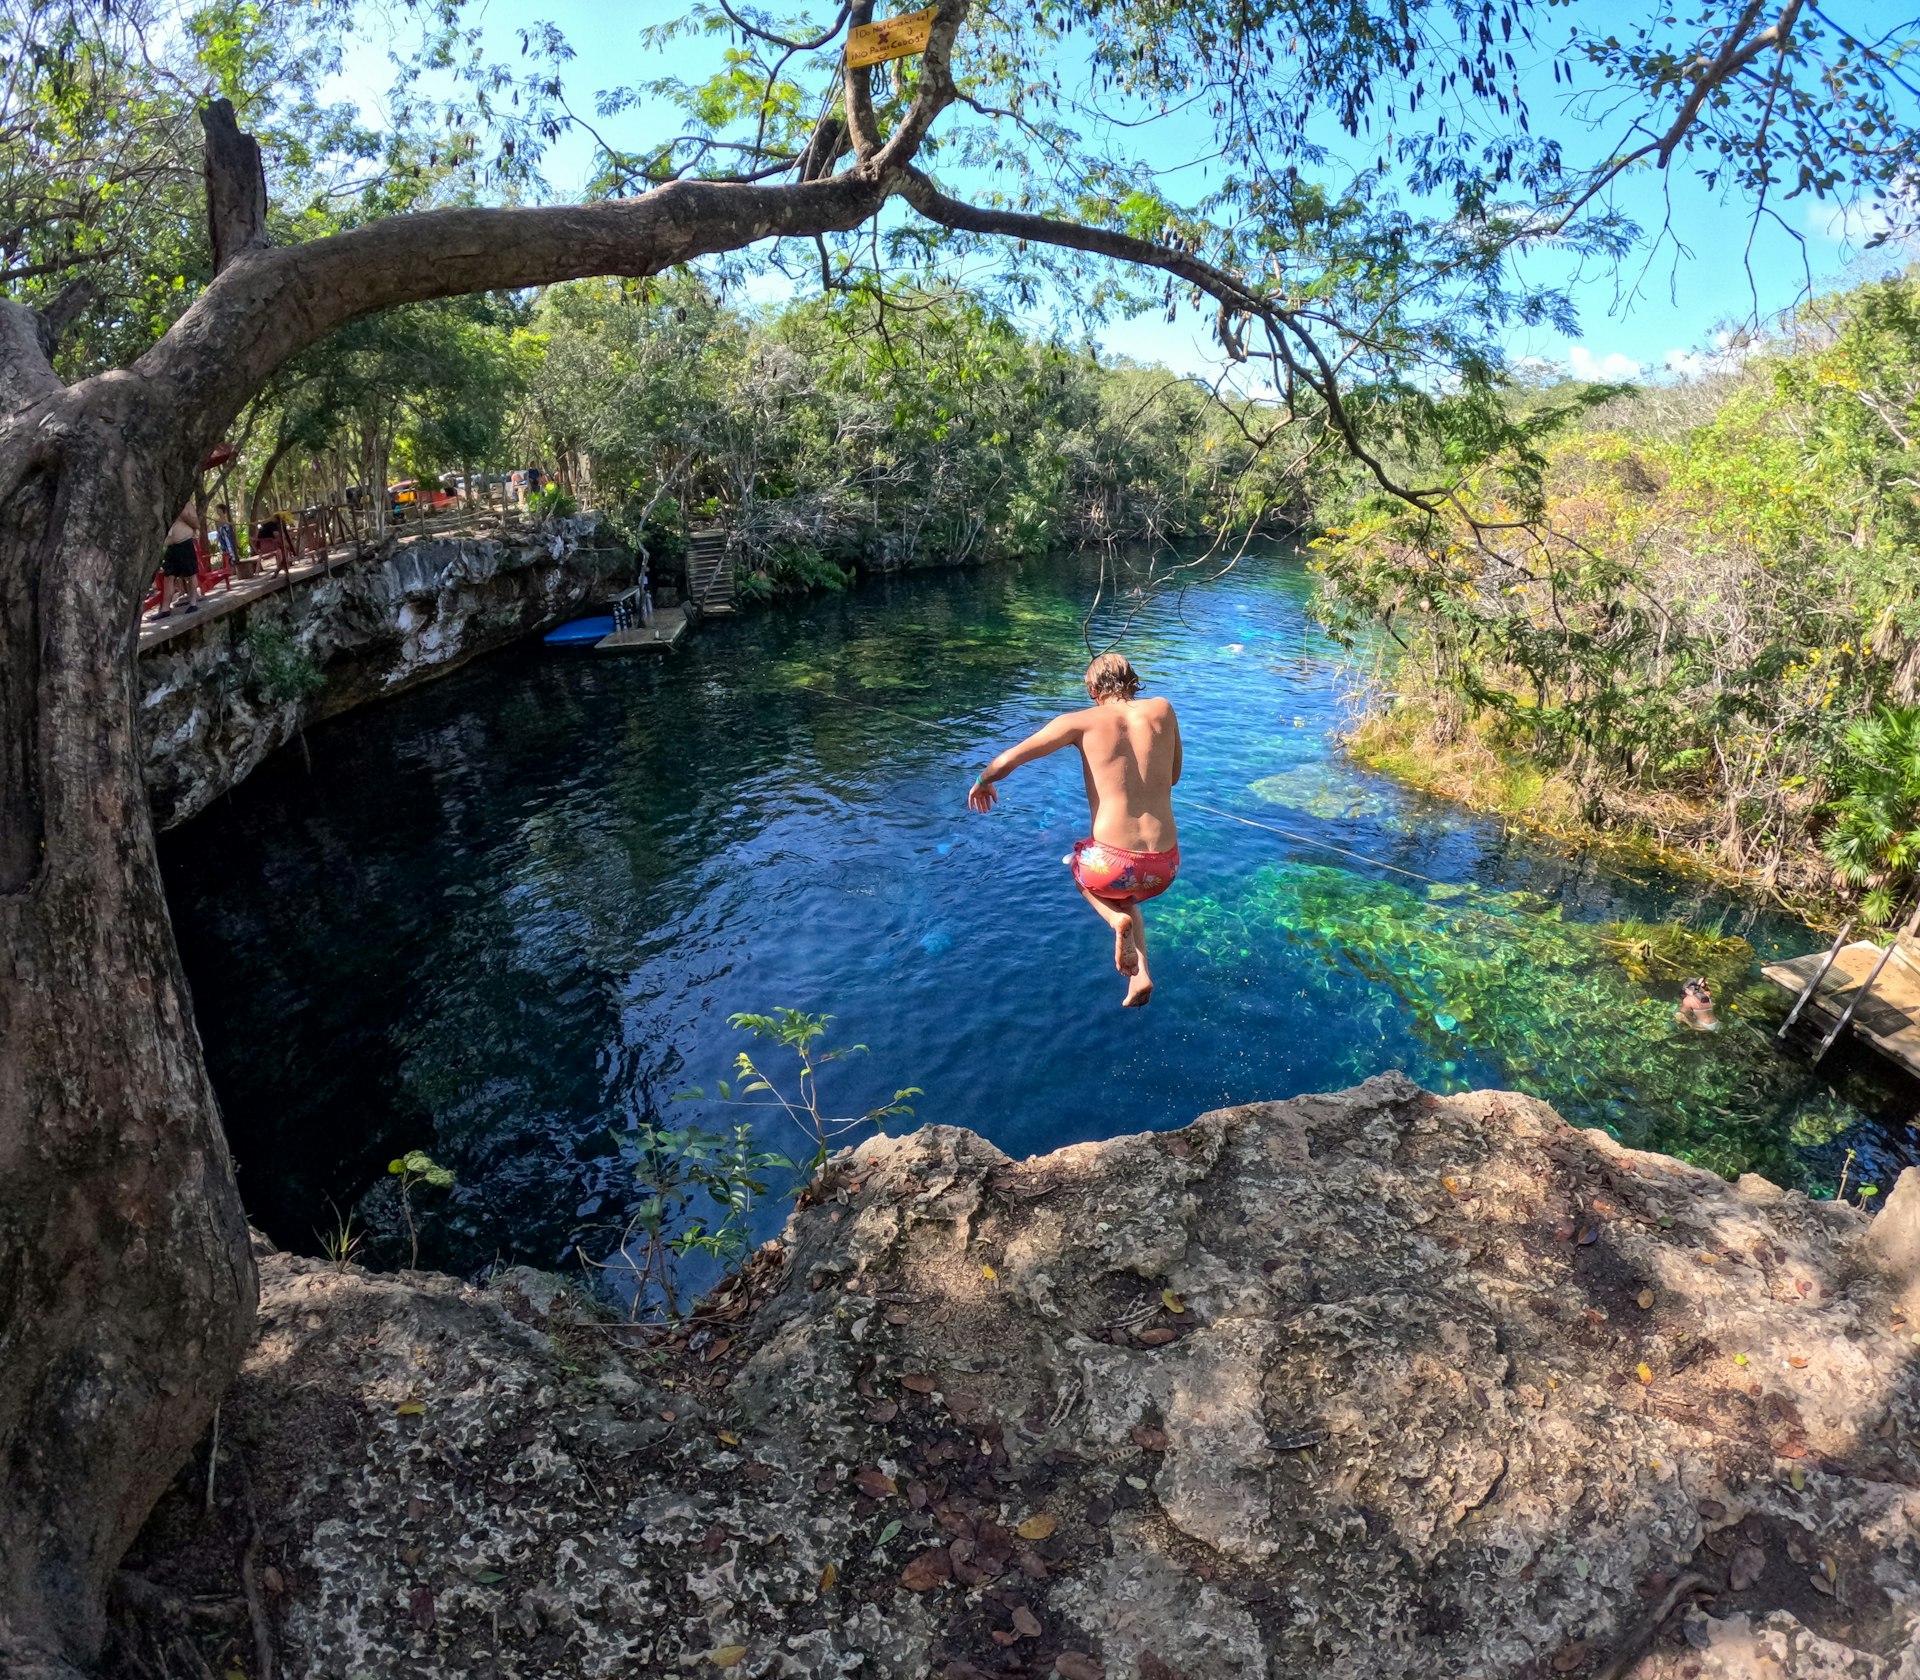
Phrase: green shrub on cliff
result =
(280, 670)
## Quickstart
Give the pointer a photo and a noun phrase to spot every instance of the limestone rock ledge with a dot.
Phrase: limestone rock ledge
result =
(410, 610)
(1367, 1385)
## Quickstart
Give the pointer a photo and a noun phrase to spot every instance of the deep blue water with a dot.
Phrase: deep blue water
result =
(503, 917)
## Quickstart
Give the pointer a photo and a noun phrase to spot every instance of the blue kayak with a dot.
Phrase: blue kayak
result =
(582, 631)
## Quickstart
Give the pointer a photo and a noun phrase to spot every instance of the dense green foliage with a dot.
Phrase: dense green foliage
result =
(1710, 624)
(886, 429)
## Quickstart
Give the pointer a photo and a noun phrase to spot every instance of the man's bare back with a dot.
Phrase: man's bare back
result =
(1130, 755)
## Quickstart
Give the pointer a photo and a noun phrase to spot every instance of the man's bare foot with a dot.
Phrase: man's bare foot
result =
(1139, 994)
(1126, 957)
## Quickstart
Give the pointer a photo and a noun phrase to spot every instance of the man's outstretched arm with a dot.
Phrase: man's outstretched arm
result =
(1063, 731)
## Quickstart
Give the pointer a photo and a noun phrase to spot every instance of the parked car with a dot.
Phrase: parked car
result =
(410, 495)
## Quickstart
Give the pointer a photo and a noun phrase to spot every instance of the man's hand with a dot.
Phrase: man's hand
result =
(981, 796)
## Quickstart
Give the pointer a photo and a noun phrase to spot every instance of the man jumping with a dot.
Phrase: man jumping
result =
(1130, 754)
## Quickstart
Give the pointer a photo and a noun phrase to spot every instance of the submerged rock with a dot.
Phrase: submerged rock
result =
(1376, 1384)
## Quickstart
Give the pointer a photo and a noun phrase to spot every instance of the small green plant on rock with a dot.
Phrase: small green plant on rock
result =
(698, 1187)
(282, 670)
(414, 1169)
(796, 1030)
(553, 501)
(341, 1244)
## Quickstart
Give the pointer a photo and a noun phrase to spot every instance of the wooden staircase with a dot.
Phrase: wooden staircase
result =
(709, 575)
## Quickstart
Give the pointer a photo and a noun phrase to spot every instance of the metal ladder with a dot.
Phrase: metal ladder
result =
(709, 574)
(1859, 997)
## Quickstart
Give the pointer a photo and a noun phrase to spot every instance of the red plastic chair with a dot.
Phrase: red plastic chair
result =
(210, 574)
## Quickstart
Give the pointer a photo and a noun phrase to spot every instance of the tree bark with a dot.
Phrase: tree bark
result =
(126, 1290)
(126, 1285)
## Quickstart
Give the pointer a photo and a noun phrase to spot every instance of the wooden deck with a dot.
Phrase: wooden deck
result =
(1889, 1020)
(668, 629)
(157, 629)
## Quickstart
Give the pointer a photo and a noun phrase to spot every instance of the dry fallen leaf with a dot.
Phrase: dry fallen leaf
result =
(1570, 1656)
(1820, 1584)
(927, 1570)
(1645, 1298)
(1077, 1665)
(420, 1603)
(1159, 1336)
(828, 1576)
(411, 1408)
(728, 1656)
(883, 1411)
(1797, 1363)
(874, 1482)
(989, 1273)
(1172, 1302)
(727, 1440)
(1026, 1623)
(1643, 1371)
(918, 1382)
(1450, 1184)
(1748, 1565)
(1147, 1438)
(1038, 1526)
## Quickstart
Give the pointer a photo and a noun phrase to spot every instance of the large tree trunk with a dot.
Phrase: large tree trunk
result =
(126, 1288)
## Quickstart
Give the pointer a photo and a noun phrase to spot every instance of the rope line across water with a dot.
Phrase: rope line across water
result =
(1212, 811)
(1307, 840)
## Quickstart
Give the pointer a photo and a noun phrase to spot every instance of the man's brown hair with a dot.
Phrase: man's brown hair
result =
(1111, 675)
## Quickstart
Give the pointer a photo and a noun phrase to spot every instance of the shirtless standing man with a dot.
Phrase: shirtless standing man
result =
(1130, 754)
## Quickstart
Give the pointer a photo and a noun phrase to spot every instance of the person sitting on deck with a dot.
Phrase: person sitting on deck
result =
(180, 568)
(1696, 1005)
(1130, 755)
(223, 534)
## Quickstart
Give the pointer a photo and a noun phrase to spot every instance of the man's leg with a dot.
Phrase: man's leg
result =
(1141, 988)
(1116, 917)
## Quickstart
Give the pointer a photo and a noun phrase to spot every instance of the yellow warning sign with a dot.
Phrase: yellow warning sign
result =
(897, 37)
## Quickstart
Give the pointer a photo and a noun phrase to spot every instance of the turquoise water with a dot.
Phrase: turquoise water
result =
(505, 918)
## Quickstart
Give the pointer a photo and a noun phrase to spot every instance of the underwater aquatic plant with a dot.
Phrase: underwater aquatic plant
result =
(1656, 951)
(1554, 1005)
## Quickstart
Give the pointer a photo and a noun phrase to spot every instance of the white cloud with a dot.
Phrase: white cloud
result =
(1611, 368)
(1723, 355)
(1853, 226)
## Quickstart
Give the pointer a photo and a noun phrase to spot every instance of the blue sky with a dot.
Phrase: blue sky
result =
(1654, 316)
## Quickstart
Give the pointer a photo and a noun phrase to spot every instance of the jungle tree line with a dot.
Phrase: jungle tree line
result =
(879, 428)
(1711, 625)
(1342, 188)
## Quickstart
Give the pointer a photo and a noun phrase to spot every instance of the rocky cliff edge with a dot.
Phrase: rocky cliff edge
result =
(1375, 1384)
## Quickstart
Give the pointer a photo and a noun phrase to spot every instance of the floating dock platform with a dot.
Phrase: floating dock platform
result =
(668, 630)
(1886, 1017)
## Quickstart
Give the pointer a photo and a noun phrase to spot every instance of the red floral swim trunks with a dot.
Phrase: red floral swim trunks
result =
(1122, 877)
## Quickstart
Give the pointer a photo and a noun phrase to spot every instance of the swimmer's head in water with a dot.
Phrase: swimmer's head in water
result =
(1697, 992)
(1112, 677)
